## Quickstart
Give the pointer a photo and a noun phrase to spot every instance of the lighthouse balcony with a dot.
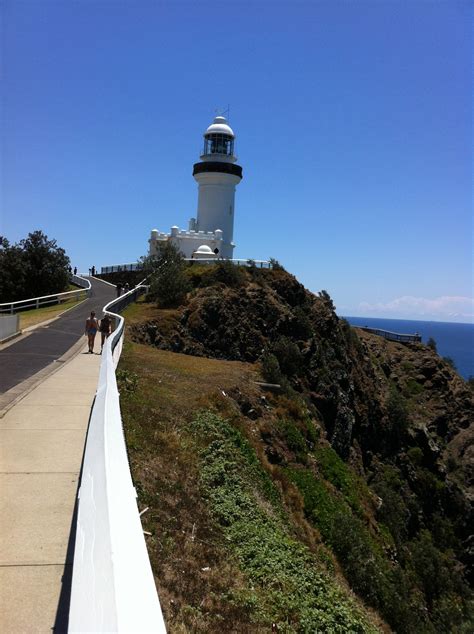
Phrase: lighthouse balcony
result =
(217, 166)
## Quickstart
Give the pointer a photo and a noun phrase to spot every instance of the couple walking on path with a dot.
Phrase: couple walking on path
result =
(93, 325)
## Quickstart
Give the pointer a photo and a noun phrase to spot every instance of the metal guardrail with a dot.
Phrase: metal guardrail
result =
(113, 588)
(48, 300)
(260, 264)
(393, 336)
(137, 266)
(119, 268)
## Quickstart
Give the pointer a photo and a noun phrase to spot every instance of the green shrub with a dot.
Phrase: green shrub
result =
(168, 282)
(431, 343)
(350, 334)
(287, 586)
(271, 368)
(169, 285)
(434, 569)
(335, 470)
(382, 585)
(224, 272)
(295, 441)
(301, 327)
(413, 387)
(415, 454)
(397, 418)
(429, 489)
(275, 265)
(288, 355)
(392, 512)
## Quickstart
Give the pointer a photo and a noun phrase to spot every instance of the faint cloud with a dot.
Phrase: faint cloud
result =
(445, 308)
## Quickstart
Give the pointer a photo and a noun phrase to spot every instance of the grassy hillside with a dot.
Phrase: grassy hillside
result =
(338, 503)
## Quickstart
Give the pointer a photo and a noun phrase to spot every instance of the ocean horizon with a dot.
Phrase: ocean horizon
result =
(453, 339)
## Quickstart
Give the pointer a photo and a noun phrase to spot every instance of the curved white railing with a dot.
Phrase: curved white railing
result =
(113, 589)
(259, 264)
(138, 266)
(48, 300)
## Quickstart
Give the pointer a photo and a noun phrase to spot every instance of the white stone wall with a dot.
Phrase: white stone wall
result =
(187, 242)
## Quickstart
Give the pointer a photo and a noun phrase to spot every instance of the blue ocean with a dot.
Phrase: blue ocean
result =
(452, 340)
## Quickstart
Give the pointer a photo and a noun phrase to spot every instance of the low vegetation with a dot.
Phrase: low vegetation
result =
(334, 502)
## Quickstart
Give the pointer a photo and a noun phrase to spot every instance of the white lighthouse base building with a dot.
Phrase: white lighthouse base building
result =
(189, 242)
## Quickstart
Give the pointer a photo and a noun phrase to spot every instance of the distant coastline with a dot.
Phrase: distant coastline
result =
(453, 339)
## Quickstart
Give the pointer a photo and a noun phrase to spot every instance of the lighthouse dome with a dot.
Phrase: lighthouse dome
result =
(220, 126)
(204, 249)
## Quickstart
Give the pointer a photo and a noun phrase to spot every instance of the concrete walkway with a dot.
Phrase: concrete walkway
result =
(23, 358)
(42, 441)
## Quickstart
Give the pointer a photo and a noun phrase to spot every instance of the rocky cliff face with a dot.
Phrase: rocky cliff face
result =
(397, 414)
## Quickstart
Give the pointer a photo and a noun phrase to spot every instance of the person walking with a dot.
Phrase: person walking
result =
(119, 289)
(75, 270)
(105, 330)
(92, 326)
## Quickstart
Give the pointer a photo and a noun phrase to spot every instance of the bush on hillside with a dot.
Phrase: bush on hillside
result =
(168, 281)
(275, 265)
(288, 355)
(271, 368)
(225, 272)
(397, 418)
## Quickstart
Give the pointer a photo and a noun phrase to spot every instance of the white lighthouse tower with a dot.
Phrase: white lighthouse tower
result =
(217, 176)
(210, 234)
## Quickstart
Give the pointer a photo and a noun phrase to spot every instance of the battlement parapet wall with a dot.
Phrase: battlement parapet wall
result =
(186, 233)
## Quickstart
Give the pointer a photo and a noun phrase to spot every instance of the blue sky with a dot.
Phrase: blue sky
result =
(353, 124)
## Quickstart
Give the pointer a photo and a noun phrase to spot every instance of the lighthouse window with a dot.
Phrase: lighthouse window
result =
(218, 144)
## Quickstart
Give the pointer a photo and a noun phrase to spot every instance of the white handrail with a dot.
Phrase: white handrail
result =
(137, 266)
(36, 302)
(113, 588)
(260, 264)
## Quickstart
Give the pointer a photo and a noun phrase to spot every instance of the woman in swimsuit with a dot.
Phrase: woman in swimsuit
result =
(92, 326)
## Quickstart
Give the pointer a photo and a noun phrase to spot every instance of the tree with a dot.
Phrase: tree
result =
(46, 265)
(12, 272)
(168, 282)
(34, 267)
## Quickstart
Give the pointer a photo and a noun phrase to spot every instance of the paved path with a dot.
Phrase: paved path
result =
(42, 441)
(24, 358)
